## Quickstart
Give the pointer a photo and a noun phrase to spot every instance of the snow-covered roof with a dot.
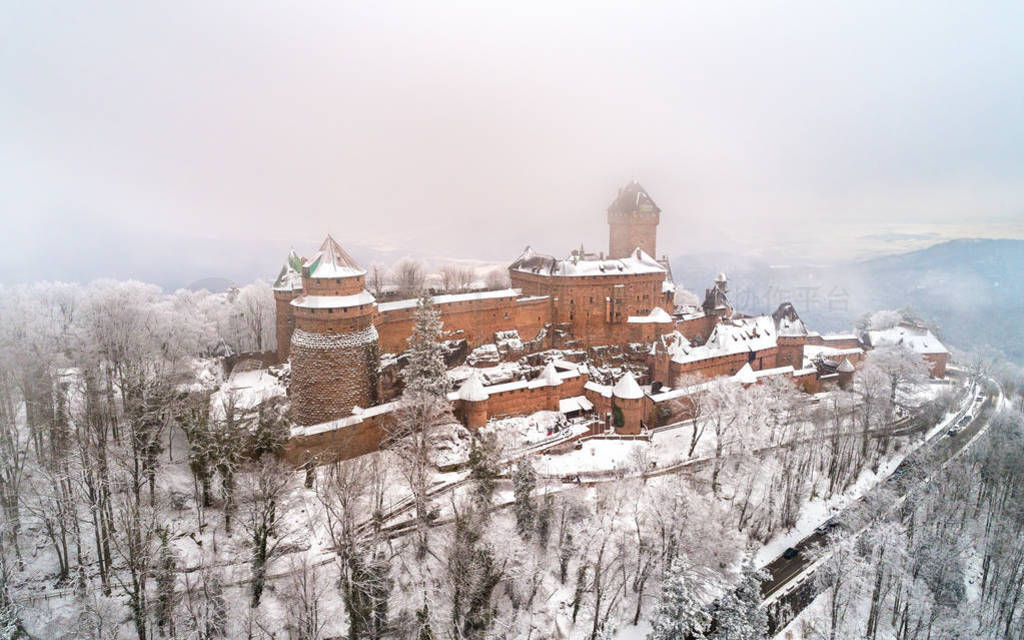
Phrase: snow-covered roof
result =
(341, 423)
(449, 298)
(575, 403)
(632, 198)
(814, 351)
(599, 389)
(745, 375)
(290, 277)
(774, 371)
(333, 302)
(917, 339)
(657, 315)
(730, 337)
(472, 390)
(627, 388)
(550, 376)
(667, 286)
(638, 262)
(845, 366)
(787, 322)
(331, 261)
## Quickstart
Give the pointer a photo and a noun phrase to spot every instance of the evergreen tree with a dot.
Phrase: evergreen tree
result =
(679, 615)
(424, 631)
(738, 615)
(544, 516)
(426, 371)
(524, 481)
(165, 584)
(484, 470)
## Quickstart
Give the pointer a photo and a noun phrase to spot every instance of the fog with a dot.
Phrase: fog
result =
(197, 139)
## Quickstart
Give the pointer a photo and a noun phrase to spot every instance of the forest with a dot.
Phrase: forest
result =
(141, 498)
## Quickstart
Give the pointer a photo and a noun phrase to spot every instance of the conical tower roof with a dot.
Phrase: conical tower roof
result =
(550, 376)
(331, 261)
(472, 390)
(627, 388)
(745, 375)
(845, 366)
(290, 276)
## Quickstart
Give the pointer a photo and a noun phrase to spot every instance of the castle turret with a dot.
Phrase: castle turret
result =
(334, 346)
(287, 287)
(552, 382)
(474, 402)
(845, 373)
(632, 222)
(628, 399)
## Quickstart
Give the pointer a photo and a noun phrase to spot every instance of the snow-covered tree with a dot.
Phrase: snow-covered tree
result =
(738, 614)
(524, 481)
(679, 614)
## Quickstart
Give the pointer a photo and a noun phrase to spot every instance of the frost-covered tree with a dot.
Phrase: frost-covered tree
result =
(679, 614)
(425, 371)
(524, 481)
(422, 410)
(410, 278)
(738, 614)
(264, 496)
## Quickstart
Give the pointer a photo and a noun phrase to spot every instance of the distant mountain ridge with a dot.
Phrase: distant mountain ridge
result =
(971, 289)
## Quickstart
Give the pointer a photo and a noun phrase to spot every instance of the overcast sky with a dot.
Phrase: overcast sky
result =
(210, 137)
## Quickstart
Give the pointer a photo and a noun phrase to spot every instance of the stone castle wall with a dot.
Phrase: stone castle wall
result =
(597, 307)
(726, 365)
(332, 373)
(627, 231)
(475, 321)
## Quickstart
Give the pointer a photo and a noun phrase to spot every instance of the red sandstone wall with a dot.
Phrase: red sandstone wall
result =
(791, 351)
(596, 307)
(524, 401)
(627, 231)
(338, 444)
(723, 365)
(697, 329)
(475, 321)
(285, 322)
(937, 364)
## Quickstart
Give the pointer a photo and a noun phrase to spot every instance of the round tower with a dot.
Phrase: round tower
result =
(552, 382)
(474, 402)
(632, 222)
(334, 351)
(287, 287)
(628, 398)
(845, 373)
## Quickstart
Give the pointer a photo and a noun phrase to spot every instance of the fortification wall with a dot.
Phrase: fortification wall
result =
(284, 321)
(723, 365)
(627, 231)
(332, 373)
(475, 321)
(337, 443)
(791, 351)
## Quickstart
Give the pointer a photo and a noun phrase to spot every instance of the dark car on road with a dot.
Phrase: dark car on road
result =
(789, 553)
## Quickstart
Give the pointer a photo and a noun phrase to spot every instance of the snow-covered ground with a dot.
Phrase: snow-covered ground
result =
(245, 390)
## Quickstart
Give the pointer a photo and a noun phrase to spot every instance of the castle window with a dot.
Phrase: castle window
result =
(337, 281)
(330, 311)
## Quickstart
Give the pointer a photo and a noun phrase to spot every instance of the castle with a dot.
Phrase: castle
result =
(334, 333)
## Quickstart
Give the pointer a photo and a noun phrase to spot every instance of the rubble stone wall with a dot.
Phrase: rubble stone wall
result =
(332, 373)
